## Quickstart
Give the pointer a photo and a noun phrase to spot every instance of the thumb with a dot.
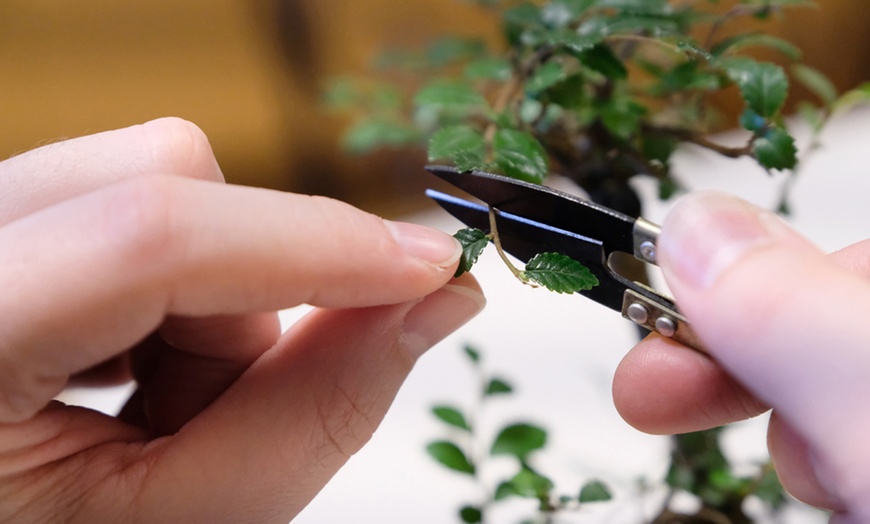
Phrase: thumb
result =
(783, 319)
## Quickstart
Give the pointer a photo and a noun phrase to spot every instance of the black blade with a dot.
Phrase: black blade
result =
(524, 238)
(545, 205)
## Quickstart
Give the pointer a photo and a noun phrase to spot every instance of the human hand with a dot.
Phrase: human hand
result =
(124, 253)
(786, 326)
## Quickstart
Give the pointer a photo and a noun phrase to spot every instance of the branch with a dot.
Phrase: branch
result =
(687, 135)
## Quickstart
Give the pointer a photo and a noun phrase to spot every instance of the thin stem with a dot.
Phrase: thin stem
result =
(493, 230)
(645, 40)
(687, 135)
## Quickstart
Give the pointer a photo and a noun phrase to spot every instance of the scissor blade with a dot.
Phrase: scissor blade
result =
(524, 238)
(545, 205)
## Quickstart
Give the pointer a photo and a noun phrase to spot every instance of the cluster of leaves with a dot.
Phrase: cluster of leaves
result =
(553, 271)
(519, 441)
(699, 467)
(607, 88)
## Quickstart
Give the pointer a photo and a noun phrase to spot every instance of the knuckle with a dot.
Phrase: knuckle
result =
(141, 222)
(182, 148)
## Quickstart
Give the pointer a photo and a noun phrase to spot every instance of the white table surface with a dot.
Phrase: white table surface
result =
(560, 352)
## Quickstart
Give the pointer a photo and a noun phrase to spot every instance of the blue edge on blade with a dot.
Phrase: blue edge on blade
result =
(438, 195)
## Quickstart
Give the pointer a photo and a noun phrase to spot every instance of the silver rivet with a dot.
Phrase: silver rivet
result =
(666, 326)
(638, 313)
(648, 250)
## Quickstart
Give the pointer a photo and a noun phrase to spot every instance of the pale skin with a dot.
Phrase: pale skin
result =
(124, 254)
(786, 326)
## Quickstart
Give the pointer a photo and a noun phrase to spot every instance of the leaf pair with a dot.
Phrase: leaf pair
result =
(553, 271)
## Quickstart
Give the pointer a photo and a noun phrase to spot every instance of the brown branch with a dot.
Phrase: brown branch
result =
(692, 137)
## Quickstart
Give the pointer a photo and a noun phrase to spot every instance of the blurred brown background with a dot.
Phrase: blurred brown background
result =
(250, 73)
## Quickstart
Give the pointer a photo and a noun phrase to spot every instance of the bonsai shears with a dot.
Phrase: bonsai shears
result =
(532, 219)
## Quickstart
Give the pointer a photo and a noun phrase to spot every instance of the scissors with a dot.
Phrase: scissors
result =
(532, 219)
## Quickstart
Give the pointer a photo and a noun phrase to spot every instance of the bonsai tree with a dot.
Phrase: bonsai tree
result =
(599, 92)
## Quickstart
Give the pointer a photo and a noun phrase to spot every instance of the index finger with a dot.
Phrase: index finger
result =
(91, 276)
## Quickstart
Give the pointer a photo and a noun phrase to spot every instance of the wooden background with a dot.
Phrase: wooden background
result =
(249, 72)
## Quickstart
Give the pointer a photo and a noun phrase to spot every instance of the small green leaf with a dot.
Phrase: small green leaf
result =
(594, 491)
(450, 456)
(752, 121)
(560, 273)
(519, 440)
(545, 77)
(450, 94)
(472, 353)
(854, 97)
(602, 59)
(520, 155)
(764, 86)
(497, 386)
(742, 41)
(530, 484)
(471, 514)
(367, 136)
(452, 140)
(816, 82)
(473, 243)
(489, 69)
(775, 149)
(451, 416)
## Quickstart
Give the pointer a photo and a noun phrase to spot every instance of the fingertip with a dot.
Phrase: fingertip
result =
(428, 244)
(662, 387)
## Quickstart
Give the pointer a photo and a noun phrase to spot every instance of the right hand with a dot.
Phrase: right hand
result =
(786, 327)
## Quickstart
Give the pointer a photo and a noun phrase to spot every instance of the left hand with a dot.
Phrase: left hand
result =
(125, 252)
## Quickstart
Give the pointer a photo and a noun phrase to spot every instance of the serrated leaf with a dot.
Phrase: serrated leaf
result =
(519, 440)
(471, 514)
(451, 416)
(520, 155)
(764, 86)
(559, 273)
(452, 140)
(545, 77)
(594, 491)
(775, 149)
(473, 243)
(816, 82)
(497, 386)
(450, 456)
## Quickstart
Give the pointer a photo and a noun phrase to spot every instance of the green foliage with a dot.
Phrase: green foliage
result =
(449, 455)
(576, 80)
(595, 491)
(473, 243)
(559, 273)
(518, 442)
(451, 416)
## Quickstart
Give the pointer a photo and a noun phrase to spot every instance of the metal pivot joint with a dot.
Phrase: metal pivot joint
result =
(655, 316)
(646, 235)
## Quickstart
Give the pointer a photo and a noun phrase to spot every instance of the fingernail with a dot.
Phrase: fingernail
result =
(431, 245)
(439, 315)
(707, 232)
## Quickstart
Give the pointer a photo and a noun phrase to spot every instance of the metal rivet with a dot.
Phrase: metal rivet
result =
(648, 250)
(666, 326)
(638, 313)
